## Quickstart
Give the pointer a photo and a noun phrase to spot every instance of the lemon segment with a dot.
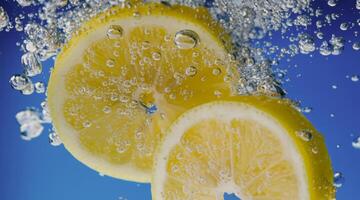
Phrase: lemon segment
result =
(127, 74)
(249, 146)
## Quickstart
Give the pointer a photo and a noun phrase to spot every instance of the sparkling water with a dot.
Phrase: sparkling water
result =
(250, 23)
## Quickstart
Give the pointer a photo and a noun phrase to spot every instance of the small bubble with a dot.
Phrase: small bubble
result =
(332, 115)
(136, 15)
(186, 39)
(139, 135)
(19, 82)
(304, 135)
(25, 3)
(172, 96)
(115, 32)
(110, 63)
(356, 46)
(31, 63)
(156, 56)
(355, 78)
(356, 143)
(39, 87)
(121, 149)
(338, 179)
(217, 93)
(306, 109)
(344, 26)
(191, 71)
(54, 139)
(332, 3)
(338, 146)
(86, 124)
(145, 45)
(28, 90)
(106, 109)
(216, 71)
(334, 87)
(315, 150)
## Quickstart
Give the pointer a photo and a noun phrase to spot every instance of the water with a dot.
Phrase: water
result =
(45, 31)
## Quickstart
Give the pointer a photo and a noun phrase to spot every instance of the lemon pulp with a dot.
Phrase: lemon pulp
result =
(254, 147)
(127, 74)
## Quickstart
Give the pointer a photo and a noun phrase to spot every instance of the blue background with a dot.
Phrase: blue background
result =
(37, 171)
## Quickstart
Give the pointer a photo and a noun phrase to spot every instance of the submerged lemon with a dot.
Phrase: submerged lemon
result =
(127, 74)
(255, 147)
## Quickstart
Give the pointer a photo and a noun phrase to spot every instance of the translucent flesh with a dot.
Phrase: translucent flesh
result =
(241, 157)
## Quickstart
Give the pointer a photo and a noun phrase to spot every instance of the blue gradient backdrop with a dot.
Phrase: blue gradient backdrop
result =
(37, 171)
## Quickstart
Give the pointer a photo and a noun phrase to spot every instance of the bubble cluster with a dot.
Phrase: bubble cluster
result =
(4, 18)
(30, 124)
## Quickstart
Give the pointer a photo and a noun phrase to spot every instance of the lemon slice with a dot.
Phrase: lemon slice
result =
(127, 74)
(254, 147)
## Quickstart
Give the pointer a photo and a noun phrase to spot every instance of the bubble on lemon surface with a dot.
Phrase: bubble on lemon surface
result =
(304, 135)
(186, 39)
(191, 71)
(115, 32)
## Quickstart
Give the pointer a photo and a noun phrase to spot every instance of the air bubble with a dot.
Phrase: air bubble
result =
(344, 26)
(39, 87)
(355, 78)
(332, 3)
(19, 82)
(304, 135)
(356, 46)
(338, 179)
(106, 109)
(186, 39)
(191, 71)
(86, 124)
(4, 18)
(54, 139)
(216, 71)
(30, 124)
(31, 63)
(25, 3)
(356, 143)
(115, 32)
(110, 63)
(156, 56)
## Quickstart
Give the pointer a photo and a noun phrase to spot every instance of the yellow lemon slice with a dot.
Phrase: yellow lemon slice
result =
(254, 147)
(127, 74)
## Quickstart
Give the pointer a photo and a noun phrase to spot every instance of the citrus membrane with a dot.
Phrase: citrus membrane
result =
(126, 74)
(257, 148)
